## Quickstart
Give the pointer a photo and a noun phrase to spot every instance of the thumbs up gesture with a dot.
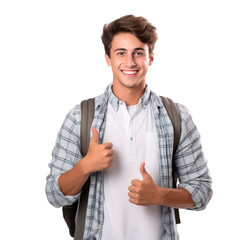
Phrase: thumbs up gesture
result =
(99, 156)
(143, 192)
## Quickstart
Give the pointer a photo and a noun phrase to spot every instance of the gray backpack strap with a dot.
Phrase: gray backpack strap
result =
(87, 110)
(175, 118)
(87, 115)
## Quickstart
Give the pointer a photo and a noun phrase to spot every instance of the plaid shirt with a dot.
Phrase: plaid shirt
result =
(190, 162)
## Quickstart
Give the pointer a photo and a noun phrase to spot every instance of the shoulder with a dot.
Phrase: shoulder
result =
(76, 110)
(184, 112)
(182, 109)
(188, 127)
(73, 116)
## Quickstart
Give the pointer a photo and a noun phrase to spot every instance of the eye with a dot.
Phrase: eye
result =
(139, 53)
(121, 53)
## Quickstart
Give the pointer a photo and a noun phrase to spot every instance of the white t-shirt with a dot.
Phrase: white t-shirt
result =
(132, 132)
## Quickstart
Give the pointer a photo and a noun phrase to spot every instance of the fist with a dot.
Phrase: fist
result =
(143, 192)
(99, 156)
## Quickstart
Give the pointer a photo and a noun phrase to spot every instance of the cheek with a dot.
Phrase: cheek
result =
(145, 66)
(143, 63)
(116, 64)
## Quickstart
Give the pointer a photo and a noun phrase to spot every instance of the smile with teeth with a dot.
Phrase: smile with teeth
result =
(129, 72)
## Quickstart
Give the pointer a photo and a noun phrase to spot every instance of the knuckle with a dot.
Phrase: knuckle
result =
(137, 201)
(108, 145)
(105, 153)
(137, 191)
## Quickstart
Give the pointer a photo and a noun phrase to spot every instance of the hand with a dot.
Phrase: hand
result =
(99, 156)
(143, 192)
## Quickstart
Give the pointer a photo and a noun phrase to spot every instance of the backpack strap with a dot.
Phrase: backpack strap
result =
(175, 118)
(87, 114)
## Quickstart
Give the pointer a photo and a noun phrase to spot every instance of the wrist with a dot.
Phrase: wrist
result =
(83, 166)
(161, 195)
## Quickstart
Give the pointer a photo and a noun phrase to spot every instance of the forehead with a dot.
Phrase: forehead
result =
(127, 41)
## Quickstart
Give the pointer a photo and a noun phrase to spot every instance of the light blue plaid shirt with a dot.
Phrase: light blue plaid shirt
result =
(190, 162)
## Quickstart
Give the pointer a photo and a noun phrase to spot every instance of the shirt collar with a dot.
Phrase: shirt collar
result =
(114, 101)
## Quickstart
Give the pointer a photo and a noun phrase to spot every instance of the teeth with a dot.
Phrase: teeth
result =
(129, 72)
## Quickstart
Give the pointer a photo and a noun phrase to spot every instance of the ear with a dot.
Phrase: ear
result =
(108, 60)
(151, 58)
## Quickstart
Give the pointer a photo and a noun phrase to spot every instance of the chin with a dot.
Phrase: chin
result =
(131, 83)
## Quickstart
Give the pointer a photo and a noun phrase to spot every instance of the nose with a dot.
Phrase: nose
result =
(130, 61)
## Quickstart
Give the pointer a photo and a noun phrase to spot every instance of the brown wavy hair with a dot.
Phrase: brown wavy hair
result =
(138, 26)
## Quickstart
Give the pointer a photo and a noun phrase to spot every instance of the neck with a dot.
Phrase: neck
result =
(129, 95)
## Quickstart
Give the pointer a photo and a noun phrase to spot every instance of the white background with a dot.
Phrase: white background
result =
(51, 58)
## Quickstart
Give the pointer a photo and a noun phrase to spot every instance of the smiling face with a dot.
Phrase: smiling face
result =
(129, 61)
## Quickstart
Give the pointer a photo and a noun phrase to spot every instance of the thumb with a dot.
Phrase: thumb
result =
(143, 170)
(95, 135)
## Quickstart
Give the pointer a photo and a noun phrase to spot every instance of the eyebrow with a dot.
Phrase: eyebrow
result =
(124, 49)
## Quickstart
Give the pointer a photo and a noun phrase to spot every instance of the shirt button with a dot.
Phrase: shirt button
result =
(131, 138)
(121, 102)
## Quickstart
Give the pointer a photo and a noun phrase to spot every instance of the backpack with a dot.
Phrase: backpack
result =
(76, 228)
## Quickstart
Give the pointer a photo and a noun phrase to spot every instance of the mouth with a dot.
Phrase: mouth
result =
(130, 73)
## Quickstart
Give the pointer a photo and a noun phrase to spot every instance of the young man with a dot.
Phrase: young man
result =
(129, 157)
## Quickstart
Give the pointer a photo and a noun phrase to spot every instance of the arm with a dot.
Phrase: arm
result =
(194, 191)
(146, 192)
(191, 163)
(65, 155)
(68, 169)
(176, 198)
(98, 158)
(71, 182)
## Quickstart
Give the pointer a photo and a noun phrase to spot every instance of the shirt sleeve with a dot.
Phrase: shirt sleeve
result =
(191, 164)
(65, 154)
